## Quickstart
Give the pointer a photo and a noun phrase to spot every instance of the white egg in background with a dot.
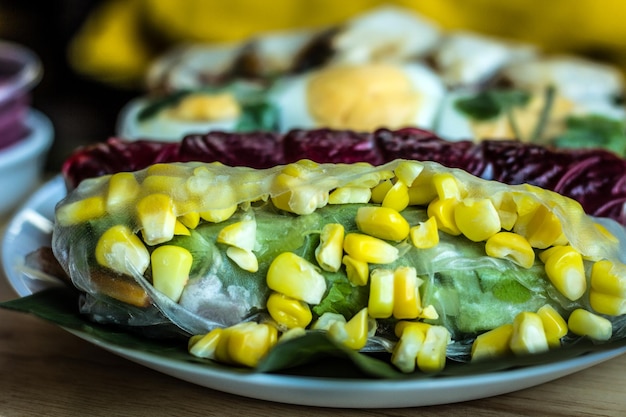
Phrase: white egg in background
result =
(359, 97)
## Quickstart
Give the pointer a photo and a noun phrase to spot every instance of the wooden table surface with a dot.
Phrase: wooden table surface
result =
(46, 371)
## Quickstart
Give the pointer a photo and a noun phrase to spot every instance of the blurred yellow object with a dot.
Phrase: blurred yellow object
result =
(117, 43)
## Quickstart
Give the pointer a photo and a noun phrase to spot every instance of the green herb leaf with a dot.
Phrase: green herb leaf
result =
(490, 104)
(594, 131)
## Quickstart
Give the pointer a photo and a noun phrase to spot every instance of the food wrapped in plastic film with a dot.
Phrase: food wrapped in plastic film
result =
(405, 257)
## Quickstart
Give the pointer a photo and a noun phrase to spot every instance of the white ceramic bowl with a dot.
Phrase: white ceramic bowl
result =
(21, 164)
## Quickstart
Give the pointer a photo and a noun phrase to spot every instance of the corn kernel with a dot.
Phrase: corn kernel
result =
(447, 186)
(477, 219)
(354, 332)
(609, 304)
(330, 249)
(81, 211)
(249, 342)
(199, 107)
(554, 325)
(240, 234)
(190, 220)
(528, 334)
(204, 346)
(382, 222)
(296, 277)
(180, 229)
(609, 278)
(443, 212)
(407, 303)
(403, 325)
(380, 191)
(327, 320)
(507, 210)
(244, 258)
(566, 271)
(543, 229)
(425, 235)
(170, 270)
(408, 171)
(404, 355)
(218, 215)
(584, 323)
(156, 218)
(432, 355)
(511, 246)
(429, 313)
(122, 251)
(381, 297)
(422, 191)
(350, 195)
(288, 312)
(123, 189)
(291, 334)
(369, 249)
(397, 197)
(492, 344)
(357, 271)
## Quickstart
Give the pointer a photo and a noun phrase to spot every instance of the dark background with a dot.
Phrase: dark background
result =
(82, 111)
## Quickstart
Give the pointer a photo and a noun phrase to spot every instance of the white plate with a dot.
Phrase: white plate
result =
(29, 229)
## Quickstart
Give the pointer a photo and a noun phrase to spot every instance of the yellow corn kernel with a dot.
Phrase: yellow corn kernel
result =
(167, 170)
(204, 346)
(543, 229)
(357, 271)
(422, 190)
(249, 342)
(429, 313)
(609, 304)
(525, 204)
(329, 252)
(584, 323)
(156, 218)
(123, 189)
(122, 251)
(288, 312)
(493, 344)
(447, 186)
(545, 254)
(350, 195)
(170, 270)
(352, 334)
(528, 334)
(381, 297)
(369, 249)
(190, 220)
(404, 355)
(605, 232)
(443, 212)
(291, 334)
(477, 219)
(554, 325)
(380, 191)
(218, 215)
(407, 303)
(81, 211)
(244, 258)
(327, 320)
(425, 235)
(240, 234)
(163, 184)
(180, 229)
(609, 278)
(408, 171)
(403, 325)
(511, 246)
(207, 107)
(382, 222)
(432, 355)
(296, 278)
(566, 271)
(397, 197)
(506, 208)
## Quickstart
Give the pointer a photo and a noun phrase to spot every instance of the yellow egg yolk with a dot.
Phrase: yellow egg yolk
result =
(206, 107)
(363, 97)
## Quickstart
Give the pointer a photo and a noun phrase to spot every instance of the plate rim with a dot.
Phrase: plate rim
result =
(303, 390)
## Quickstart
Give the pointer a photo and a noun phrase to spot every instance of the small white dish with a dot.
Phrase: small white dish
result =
(21, 164)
